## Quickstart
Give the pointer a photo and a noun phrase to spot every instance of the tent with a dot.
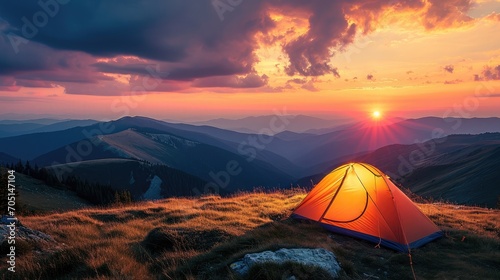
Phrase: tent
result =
(358, 200)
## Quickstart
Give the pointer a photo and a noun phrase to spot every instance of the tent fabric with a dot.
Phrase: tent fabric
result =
(358, 200)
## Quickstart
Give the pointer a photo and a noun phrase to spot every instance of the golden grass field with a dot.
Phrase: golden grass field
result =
(213, 232)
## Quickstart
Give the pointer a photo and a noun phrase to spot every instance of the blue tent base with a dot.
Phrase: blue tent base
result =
(386, 243)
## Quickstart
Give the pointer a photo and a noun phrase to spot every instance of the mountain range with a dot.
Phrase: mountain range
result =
(14, 128)
(230, 160)
(297, 123)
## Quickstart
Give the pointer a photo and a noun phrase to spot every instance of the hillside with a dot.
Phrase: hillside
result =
(6, 158)
(198, 159)
(36, 196)
(134, 176)
(211, 232)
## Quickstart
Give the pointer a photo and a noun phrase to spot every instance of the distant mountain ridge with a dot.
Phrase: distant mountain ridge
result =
(364, 137)
(297, 123)
(44, 125)
(43, 121)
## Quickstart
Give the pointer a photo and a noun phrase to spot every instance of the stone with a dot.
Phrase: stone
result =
(319, 257)
(26, 234)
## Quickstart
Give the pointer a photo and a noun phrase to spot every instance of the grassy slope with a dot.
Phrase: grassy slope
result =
(106, 243)
(35, 195)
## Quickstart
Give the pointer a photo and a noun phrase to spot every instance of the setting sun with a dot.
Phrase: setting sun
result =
(376, 115)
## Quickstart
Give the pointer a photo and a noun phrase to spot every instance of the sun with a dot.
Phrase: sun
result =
(376, 115)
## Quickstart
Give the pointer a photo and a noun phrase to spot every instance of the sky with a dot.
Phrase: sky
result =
(195, 60)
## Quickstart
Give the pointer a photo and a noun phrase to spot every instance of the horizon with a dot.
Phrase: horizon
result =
(22, 118)
(252, 59)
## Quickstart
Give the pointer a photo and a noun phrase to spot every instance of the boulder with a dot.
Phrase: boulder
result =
(320, 257)
(24, 233)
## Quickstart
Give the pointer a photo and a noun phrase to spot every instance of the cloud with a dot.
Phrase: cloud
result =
(493, 16)
(8, 83)
(488, 73)
(446, 13)
(8, 99)
(189, 41)
(41, 66)
(449, 68)
(252, 80)
(35, 84)
(452, 82)
(309, 85)
(99, 89)
(297, 81)
(370, 77)
(496, 95)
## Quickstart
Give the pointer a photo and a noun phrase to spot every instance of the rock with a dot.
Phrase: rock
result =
(314, 257)
(35, 235)
(24, 233)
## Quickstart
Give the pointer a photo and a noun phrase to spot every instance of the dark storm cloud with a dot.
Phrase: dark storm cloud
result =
(39, 62)
(189, 35)
(187, 39)
(34, 83)
(109, 28)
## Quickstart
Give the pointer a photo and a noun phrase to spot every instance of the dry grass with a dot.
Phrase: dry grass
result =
(109, 243)
(481, 221)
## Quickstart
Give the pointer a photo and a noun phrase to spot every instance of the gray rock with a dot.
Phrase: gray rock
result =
(26, 234)
(314, 257)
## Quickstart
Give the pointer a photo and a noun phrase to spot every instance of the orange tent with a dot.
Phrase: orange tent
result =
(357, 199)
